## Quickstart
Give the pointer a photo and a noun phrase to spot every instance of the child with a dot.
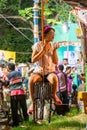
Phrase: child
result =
(62, 92)
(17, 94)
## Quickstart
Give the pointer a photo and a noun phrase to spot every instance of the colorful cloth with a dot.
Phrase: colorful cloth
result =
(15, 82)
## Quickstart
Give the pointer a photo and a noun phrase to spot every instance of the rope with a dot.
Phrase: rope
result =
(24, 53)
(15, 28)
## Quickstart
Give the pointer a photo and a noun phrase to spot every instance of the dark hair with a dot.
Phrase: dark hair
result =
(65, 59)
(11, 66)
(77, 59)
(40, 36)
(47, 29)
(10, 59)
(61, 67)
(74, 87)
(68, 67)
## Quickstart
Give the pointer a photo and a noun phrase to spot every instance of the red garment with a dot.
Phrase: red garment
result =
(17, 92)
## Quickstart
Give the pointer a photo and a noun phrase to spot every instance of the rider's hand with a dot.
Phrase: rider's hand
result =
(46, 46)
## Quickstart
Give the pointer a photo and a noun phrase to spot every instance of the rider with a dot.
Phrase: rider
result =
(45, 56)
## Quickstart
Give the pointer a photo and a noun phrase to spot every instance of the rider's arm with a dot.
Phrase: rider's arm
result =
(58, 44)
(55, 57)
(37, 55)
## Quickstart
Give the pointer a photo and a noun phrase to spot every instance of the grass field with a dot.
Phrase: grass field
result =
(72, 121)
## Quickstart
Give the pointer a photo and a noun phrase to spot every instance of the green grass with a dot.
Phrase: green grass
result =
(72, 121)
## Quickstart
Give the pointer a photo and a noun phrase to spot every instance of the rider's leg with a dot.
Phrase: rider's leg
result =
(53, 79)
(33, 79)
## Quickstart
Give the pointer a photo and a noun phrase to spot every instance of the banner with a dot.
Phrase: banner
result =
(72, 57)
(6, 55)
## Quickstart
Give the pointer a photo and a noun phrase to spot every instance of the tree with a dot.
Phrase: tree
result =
(16, 24)
(11, 39)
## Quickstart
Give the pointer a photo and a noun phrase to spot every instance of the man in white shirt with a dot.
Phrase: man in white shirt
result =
(65, 63)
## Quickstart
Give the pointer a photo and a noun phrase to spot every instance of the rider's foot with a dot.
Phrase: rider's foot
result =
(30, 110)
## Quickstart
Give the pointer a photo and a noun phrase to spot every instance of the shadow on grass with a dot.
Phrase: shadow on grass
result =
(57, 123)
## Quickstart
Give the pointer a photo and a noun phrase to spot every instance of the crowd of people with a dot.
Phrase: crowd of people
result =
(69, 80)
(11, 83)
(64, 78)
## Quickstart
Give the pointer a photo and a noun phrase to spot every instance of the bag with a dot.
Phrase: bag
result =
(62, 109)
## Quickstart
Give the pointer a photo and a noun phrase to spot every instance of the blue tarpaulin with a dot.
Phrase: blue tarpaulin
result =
(66, 35)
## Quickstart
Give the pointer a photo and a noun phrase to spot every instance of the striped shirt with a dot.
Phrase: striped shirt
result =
(62, 81)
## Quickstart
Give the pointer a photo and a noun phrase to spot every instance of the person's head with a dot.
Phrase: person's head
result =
(68, 69)
(65, 61)
(60, 68)
(11, 67)
(78, 61)
(49, 33)
(73, 69)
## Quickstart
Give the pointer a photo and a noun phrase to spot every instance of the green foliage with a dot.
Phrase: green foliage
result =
(74, 111)
(53, 21)
(58, 12)
(3, 3)
(11, 39)
(27, 12)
